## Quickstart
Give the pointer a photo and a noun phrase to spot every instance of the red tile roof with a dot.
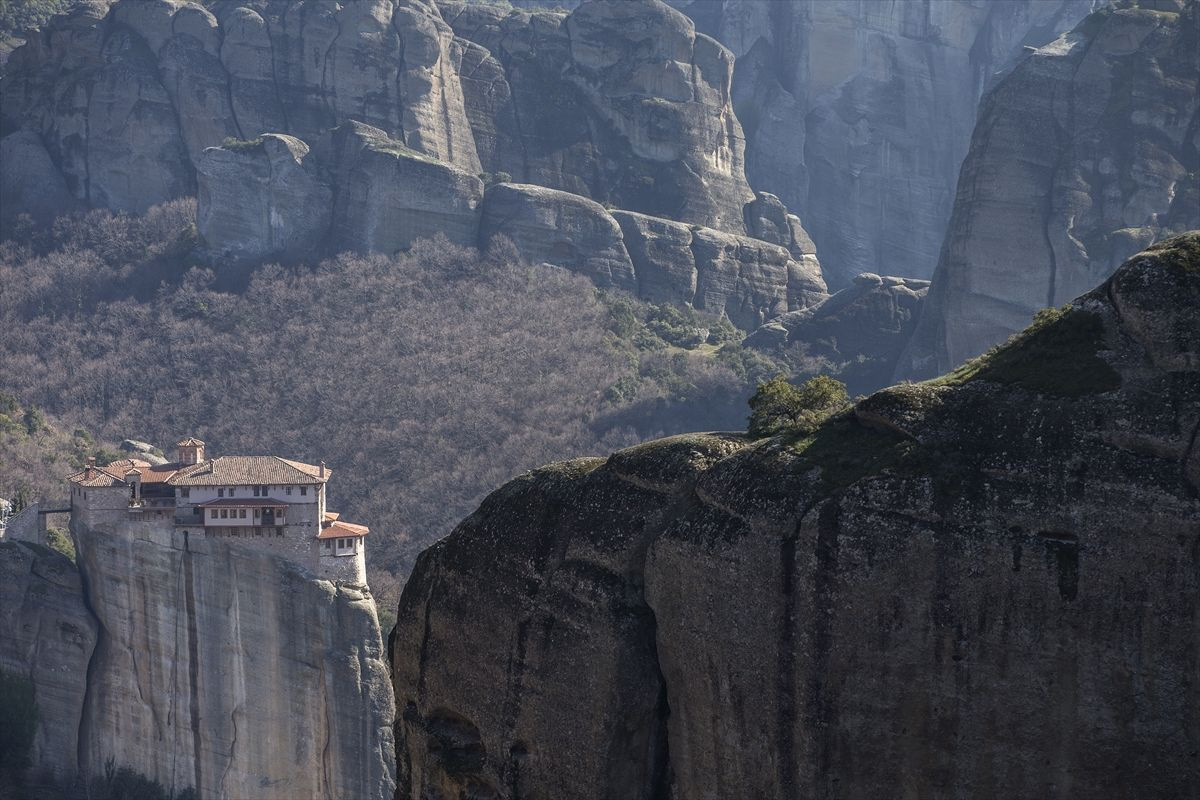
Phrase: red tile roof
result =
(191, 441)
(339, 529)
(151, 473)
(248, 471)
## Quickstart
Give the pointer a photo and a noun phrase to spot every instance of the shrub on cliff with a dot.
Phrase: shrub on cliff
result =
(779, 407)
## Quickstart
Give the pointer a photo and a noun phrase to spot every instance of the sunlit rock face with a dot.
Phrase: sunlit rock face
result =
(858, 115)
(1086, 153)
(983, 586)
(624, 103)
(230, 670)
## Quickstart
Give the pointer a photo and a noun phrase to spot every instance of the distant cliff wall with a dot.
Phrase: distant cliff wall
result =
(620, 102)
(858, 114)
(1086, 153)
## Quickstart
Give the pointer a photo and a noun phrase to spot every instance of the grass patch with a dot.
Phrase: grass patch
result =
(60, 540)
(242, 145)
(847, 451)
(1055, 355)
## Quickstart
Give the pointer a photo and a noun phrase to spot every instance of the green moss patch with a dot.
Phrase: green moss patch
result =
(847, 451)
(242, 145)
(1055, 355)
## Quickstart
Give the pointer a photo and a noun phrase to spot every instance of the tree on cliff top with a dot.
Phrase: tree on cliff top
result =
(779, 407)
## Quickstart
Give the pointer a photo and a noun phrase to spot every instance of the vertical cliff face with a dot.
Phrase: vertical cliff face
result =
(230, 670)
(621, 102)
(858, 115)
(980, 586)
(47, 635)
(1086, 153)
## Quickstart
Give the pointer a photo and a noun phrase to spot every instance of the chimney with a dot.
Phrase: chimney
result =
(322, 469)
(90, 472)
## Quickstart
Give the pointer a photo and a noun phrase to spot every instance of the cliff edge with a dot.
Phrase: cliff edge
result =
(983, 584)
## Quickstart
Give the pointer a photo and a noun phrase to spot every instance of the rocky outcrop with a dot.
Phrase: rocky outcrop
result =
(231, 670)
(363, 191)
(858, 115)
(1087, 152)
(620, 102)
(47, 636)
(857, 334)
(261, 199)
(559, 228)
(887, 602)
(387, 195)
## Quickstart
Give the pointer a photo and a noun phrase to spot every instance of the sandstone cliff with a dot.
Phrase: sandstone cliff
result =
(1087, 152)
(230, 670)
(47, 634)
(620, 102)
(358, 189)
(980, 586)
(858, 115)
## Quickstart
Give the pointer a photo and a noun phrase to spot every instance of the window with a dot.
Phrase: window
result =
(288, 490)
(242, 513)
(256, 491)
(221, 492)
(231, 491)
(304, 490)
(212, 514)
(264, 490)
(185, 492)
(257, 513)
(224, 513)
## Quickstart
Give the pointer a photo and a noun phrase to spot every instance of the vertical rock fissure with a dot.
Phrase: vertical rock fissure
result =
(821, 709)
(193, 670)
(102, 639)
(785, 714)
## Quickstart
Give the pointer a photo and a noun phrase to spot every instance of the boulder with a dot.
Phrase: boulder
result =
(553, 227)
(262, 200)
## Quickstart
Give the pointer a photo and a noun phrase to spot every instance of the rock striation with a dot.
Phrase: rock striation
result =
(858, 333)
(360, 190)
(47, 635)
(858, 115)
(230, 670)
(1086, 153)
(954, 586)
(623, 103)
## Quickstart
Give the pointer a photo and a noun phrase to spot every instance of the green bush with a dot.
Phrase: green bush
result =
(779, 407)
(60, 540)
(242, 145)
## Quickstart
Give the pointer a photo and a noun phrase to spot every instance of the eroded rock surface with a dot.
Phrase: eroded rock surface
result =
(954, 586)
(859, 332)
(620, 102)
(1086, 153)
(47, 635)
(231, 670)
(858, 115)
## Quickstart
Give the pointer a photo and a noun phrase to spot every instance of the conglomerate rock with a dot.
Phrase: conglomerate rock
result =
(980, 586)
(47, 636)
(1087, 152)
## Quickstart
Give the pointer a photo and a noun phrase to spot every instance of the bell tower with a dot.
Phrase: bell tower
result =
(190, 451)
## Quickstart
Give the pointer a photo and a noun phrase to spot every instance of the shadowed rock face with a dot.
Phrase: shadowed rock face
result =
(980, 586)
(858, 115)
(47, 635)
(619, 102)
(1087, 152)
(862, 329)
